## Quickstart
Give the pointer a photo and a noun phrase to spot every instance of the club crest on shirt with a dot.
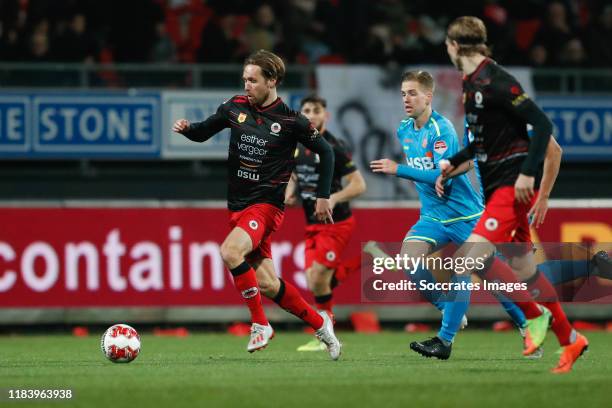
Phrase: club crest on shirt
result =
(330, 255)
(491, 224)
(440, 147)
(242, 117)
(275, 128)
(478, 99)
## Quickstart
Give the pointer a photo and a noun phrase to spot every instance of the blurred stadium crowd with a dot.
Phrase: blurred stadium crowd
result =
(572, 33)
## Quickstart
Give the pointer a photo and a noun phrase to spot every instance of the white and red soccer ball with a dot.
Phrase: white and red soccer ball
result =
(120, 343)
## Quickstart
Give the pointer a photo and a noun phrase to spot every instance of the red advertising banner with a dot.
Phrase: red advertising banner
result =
(84, 257)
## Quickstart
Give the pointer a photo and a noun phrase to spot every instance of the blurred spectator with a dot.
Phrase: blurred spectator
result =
(76, 44)
(263, 32)
(501, 36)
(599, 43)
(387, 29)
(39, 50)
(304, 33)
(218, 43)
(555, 33)
(573, 54)
(11, 48)
(378, 47)
(573, 33)
(538, 56)
(185, 21)
(164, 49)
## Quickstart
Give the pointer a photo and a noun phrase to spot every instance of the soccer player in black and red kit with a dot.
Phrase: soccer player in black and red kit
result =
(264, 135)
(325, 243)
(497, 111)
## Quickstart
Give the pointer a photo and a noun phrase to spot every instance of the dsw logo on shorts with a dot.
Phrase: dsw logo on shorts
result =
(331, 255)
(253, 224)
(250, 292)
(491, 224)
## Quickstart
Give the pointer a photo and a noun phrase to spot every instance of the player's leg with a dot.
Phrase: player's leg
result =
(288, 297)
(344, 267)
(563, 271)
(572, 342)
(420, 241)
(459, 233)
(233, 251)
(324, 246)
(319, 279)
(454, 303)
(478, 246)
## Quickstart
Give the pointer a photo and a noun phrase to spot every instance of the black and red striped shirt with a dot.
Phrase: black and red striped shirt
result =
(261, 149)
(492, 100)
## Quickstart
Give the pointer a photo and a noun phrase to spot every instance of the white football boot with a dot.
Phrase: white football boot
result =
(260, 336)
(327, 336)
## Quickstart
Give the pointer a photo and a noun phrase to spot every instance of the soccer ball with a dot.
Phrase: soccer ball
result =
(120, 343)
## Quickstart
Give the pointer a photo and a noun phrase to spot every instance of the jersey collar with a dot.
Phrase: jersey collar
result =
(479, 68)
(270, 106)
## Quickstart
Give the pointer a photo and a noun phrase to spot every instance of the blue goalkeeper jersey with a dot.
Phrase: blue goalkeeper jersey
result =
(424, 148)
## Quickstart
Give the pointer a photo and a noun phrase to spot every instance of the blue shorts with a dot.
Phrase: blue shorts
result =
(439, 234)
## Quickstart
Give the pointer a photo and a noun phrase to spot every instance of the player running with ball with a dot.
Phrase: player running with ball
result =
(264, 135)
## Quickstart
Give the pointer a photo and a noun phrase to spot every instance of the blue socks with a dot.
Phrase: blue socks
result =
(435, 297)
(564, 271)
(515, 312)
(457, 305)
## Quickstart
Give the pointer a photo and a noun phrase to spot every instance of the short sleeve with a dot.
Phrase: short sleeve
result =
(445, 142)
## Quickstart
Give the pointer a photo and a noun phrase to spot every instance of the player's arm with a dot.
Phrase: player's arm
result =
(456, 165)
(443, 180)
(354, 184)
(291, 191)
(542, 130)
(461, 169)
(311, 139)
(552, 163)
(467, 153)
(388, 166)
(202, 131)
(520, 104)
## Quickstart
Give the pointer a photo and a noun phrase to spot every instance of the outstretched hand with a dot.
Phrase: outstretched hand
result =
(385, 166)
(181, 125)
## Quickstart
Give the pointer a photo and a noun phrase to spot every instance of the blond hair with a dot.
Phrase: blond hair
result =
(423, 78)
(471, 35)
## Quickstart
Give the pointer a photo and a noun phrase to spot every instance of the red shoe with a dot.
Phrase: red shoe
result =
(571, 354)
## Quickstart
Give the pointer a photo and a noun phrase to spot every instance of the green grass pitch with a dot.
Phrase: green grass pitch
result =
(214, 370)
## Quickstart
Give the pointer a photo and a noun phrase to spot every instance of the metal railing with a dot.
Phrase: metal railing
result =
(194, 76)
(180, 76)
